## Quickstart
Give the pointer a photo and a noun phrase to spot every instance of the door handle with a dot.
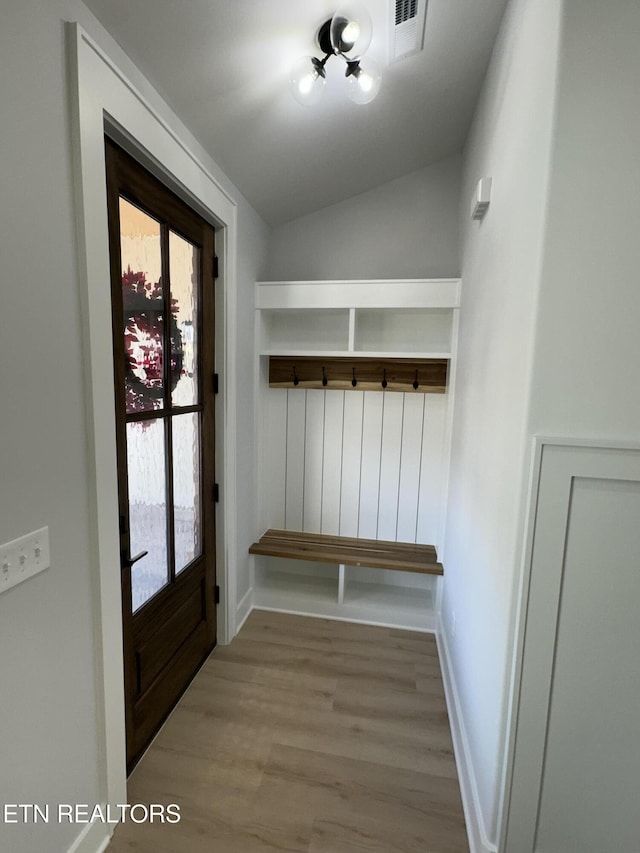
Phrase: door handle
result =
(127, 561)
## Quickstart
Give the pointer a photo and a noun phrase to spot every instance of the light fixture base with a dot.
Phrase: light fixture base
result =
(347, 35)
(324, 37)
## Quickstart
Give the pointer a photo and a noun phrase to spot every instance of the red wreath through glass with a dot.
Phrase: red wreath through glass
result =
(144, 309)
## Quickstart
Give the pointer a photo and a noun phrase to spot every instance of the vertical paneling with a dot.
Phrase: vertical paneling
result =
(333, 413)
(410, 464)
(295, 431)
(275, 459)
(351, 463)
(390, 455)
(313, 460)
(354, 463)
(370, 468)
(429, 503)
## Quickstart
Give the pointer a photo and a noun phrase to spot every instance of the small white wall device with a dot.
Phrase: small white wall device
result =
(481, 199)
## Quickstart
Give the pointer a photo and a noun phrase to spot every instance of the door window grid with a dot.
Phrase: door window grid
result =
(165, 514)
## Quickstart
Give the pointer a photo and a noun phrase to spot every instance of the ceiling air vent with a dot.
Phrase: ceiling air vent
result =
(407, 30)
(405, 9)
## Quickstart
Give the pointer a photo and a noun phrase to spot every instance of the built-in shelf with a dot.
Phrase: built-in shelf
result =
(307, 353)
(351, 331)
(323, 591)
(407, 330)
(372, 465)
(403, 318)
(295, 330)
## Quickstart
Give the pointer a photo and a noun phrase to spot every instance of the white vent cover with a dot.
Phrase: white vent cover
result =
(407, 27)
(405, 10)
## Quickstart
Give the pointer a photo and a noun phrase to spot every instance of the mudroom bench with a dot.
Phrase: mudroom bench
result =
(354, 399)
(349, 551)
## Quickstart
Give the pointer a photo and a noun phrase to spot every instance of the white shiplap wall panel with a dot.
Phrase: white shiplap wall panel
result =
(410, 463)
(370, 466)
(333, 415)
(354, 463)
(313, 461)
(296, 417)
(429, 503)
(390, 455)
(275, 442)
(351, 462)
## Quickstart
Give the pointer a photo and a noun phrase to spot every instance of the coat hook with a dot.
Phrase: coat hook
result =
(415, 381)
(324, 377)
(354, 381)
(384, 378)
(295, 376)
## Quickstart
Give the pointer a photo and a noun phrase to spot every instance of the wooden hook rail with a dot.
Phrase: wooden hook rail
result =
(419, 375)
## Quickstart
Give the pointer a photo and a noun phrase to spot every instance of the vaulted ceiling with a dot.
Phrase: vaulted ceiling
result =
(223, 67)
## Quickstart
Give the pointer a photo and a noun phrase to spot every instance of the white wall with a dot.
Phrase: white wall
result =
(588, 344)
(354, 463)
(509, 142)
(251, 262)
(587, 357)
(49, 750)
(407, 228)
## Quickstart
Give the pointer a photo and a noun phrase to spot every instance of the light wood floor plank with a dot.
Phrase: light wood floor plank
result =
(308, 736)
(326, 664)
(404, 708)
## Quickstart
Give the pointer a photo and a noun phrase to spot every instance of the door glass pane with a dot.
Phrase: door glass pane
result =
(143, 306)
(184, 270)
(147, 508)
(186, 489)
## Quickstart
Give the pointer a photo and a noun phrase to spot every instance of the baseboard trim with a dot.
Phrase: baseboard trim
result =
(94, 838)
(476, 830)
(243, 609)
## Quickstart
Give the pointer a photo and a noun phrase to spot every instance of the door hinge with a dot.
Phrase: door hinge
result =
(217, 594)
(216, 268)
(216, 493)
(216, 383)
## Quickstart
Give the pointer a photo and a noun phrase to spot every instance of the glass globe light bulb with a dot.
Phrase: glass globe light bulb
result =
(305, 84)
(351, 31)
(364, 81)
(307, 81)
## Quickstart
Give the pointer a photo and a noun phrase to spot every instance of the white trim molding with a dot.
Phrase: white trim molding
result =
(559, 465)
(103, 97)
(244, 608)
(94, 838)
(476, 830)
(369, 293)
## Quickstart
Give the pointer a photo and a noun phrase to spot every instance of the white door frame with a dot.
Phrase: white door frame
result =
(103, 98)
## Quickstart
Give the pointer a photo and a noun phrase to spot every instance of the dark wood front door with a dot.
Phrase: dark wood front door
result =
(162, 257)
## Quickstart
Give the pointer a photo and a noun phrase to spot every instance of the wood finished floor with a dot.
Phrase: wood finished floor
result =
(309, 736)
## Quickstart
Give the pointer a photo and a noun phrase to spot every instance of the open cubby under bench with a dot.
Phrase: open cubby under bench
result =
(349, 551)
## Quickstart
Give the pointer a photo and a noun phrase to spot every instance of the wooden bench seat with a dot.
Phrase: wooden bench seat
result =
(346, 550)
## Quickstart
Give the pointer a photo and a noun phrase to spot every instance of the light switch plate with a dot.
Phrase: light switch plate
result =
(23, 558)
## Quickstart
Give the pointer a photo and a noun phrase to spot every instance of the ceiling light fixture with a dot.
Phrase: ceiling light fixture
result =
(347, 35)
